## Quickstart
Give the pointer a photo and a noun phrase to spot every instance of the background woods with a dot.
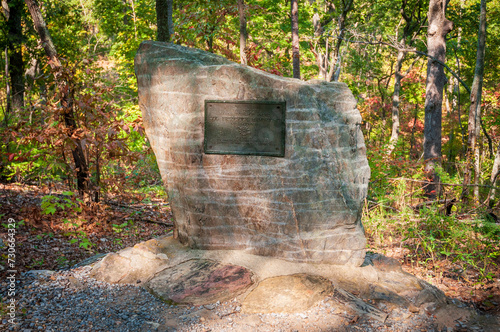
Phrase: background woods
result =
(425, 74)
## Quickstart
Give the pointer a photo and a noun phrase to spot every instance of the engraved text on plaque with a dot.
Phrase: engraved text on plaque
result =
(245, 127)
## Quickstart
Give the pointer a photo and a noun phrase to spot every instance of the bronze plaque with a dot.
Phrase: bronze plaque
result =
(245, 127)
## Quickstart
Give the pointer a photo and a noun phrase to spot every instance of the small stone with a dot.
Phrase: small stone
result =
(162, 256)
(75, 283)
(413, 308)
(154, 325)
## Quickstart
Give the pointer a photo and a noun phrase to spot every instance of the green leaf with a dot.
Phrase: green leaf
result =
(50, 209)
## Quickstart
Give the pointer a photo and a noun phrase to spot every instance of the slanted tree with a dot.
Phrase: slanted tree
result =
(474, 123)
(294, 14)
(439, 27)
(66, 92)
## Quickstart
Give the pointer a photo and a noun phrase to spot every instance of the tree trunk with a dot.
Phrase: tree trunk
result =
(170, 8)
(243, 32)
(210, 43)
(294, 14)
(321, 59)
(16, 64)
(334, 72)
(475, 111)
(438, 28)
(8, 106)
(412, 137)
(66, 92)
(319, 23)
(43, 33)
(448, 93)
(163, 19)
(395, 102)
(412, 18)
(98, 174)
(495, 172)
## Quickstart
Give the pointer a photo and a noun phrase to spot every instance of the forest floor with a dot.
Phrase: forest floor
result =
(59, 240)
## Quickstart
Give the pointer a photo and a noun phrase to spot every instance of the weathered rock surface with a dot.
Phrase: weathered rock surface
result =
(304, 207)
(292, 293)
(200, 281)
(375, 290)
(130, 265)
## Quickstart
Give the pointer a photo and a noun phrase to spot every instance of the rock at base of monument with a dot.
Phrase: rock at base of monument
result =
(382, 263)
(91, 261)
(359, 306)
(287, 294)
(199, 282)
(128, 266)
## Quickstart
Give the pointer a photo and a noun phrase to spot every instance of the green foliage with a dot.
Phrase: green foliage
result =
(432, 237)
(36, 263)
(82, 240)
(125, 25)
(123, 226)
(152, 190)
(110, 129)
(488, 227)
(68, 202)
(118, 241)
(106, 33)
(17, 225)
(392, 218)
(214, 20)
(77, 235)
(97, 41)
(62, 261)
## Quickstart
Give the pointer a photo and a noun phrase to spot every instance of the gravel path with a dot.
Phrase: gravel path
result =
(72, 301)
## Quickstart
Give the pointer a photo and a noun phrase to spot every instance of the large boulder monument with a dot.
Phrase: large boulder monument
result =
(252, 161)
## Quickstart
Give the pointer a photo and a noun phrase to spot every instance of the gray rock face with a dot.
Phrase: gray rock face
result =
(304, 207)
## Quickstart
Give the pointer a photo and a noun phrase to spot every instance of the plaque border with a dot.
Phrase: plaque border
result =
(264, 154)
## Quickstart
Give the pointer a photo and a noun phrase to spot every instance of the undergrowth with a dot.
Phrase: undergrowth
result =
(464, 244)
